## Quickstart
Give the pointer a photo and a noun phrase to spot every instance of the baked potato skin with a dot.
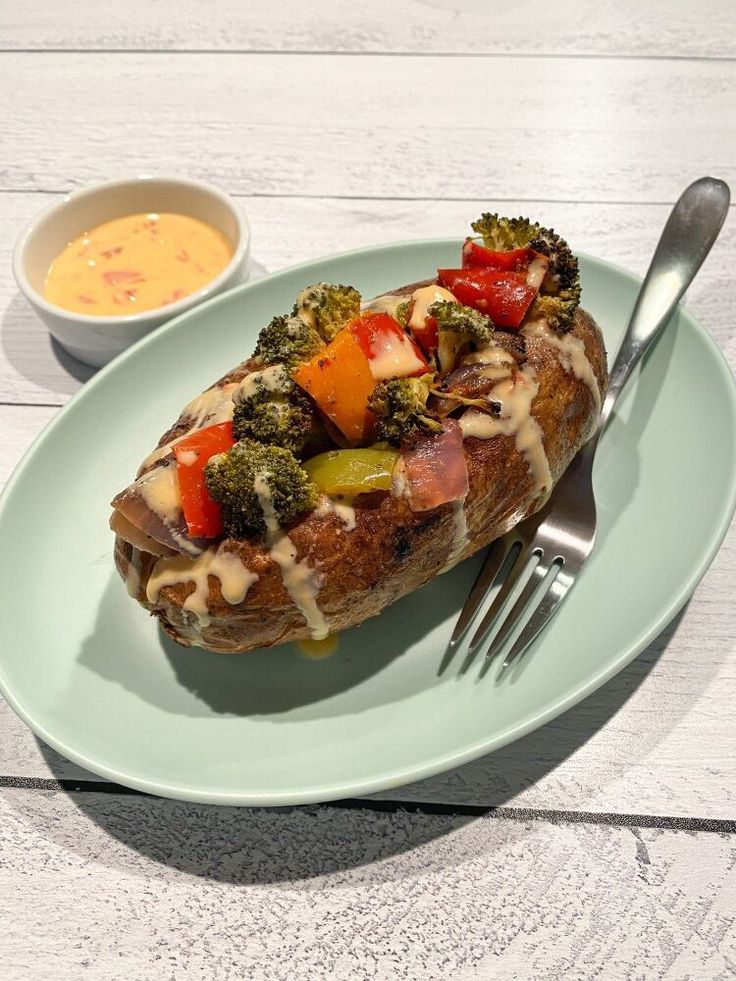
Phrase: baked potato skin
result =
(392, 550)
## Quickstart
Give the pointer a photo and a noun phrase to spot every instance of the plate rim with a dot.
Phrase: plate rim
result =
(447, 761)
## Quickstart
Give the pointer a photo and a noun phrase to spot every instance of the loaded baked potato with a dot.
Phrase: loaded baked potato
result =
(365, 447)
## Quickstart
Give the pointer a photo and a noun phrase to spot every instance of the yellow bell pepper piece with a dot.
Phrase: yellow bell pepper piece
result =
(339, 380)
(347, 473)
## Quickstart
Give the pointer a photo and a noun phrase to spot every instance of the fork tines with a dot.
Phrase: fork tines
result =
(545, 585)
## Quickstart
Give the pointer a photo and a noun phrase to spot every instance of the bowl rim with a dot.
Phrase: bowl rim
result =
(31, 229)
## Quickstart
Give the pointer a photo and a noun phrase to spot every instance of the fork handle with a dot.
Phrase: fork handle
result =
(691, 230)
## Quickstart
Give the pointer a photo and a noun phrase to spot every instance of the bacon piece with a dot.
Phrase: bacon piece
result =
(435, 469)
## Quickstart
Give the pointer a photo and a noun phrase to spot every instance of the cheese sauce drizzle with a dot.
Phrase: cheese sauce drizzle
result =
(344, 511)
(235, 579)
(516, 396)
(133, 574)
(423, 299)
(399, 482)
(346, 514)
(210, 408)
(300, 581)
(492, 355)
(571, 353)
(159, 488)
(318, 650)
(275, 378)
(213, 406)
(387, 303)
(459, 535)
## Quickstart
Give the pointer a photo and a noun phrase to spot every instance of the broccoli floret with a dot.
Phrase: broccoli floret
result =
(472, 324)
(562, 281)
(326, 307)
(458, 327)
(270, 408)
(504, 234)
(559, 293)
(558, 311)
(287, 341)
(401, 407)
(402, 313)
(236, 480)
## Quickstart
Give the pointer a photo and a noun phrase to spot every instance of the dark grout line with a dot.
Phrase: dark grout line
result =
(387, 197)
(80, 786)
(441, 198)
(34, 190)
(268, 52)
(427, 808)
(32, 405)
(666, 822)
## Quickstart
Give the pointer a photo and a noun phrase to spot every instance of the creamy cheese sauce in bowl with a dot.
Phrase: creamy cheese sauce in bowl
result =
(111, 262)
(136, 263)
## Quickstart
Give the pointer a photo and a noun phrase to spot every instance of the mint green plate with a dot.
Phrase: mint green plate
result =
(96, 679)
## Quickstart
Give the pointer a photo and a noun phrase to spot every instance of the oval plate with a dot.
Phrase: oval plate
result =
(96, 679)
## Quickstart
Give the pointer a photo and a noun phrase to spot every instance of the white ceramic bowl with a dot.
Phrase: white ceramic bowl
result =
(93, 339)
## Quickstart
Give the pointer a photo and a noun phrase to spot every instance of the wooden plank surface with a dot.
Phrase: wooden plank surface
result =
(581, 27)
(375, 126)
(166, 890)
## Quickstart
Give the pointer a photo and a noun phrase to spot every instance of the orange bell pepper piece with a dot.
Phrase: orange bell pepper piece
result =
(340, 381)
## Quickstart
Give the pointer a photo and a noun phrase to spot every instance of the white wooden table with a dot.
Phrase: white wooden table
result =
(601, 846)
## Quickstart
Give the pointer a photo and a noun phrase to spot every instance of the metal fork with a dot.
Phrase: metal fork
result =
(554, 544)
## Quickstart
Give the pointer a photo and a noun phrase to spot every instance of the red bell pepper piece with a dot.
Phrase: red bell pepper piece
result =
(503, 296)
(475, 255)
(201, 513)
(427, 335)
(390, 351)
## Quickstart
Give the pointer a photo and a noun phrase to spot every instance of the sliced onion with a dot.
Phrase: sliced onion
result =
(131, 504)
(134, 536)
